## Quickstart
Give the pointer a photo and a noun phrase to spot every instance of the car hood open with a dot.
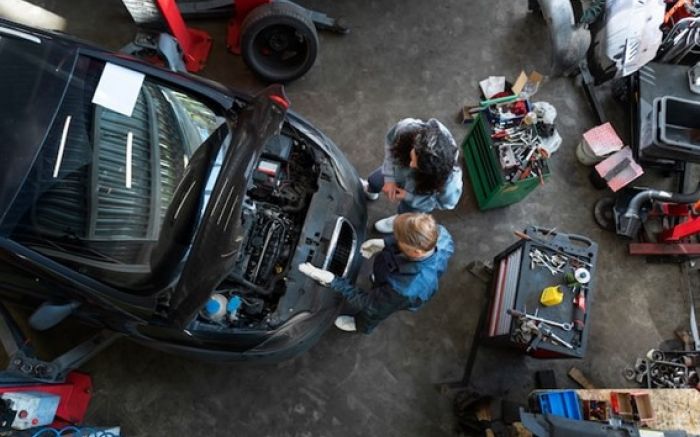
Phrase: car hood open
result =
(216, 243)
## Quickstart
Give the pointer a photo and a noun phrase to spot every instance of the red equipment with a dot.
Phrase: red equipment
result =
(674, 239)
(580, 310)
(278, 39)
(75, 394)
(195, 44)
(242, 9)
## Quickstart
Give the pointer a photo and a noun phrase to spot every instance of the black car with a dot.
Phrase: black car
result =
(180, 224)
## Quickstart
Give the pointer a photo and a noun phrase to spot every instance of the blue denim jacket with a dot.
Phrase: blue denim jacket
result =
(399, 283)
(450, 194)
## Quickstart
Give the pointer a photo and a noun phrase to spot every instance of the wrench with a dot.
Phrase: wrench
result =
(548, 333)
(565, 326)
(537, 258)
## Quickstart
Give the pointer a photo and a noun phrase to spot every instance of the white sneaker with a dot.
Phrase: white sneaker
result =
(365, 187)
(385, 225)
(345, 323)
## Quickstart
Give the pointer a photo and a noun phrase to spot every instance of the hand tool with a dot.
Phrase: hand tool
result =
(580, 309)
(547, 331)
(565, 326)
(524, 236)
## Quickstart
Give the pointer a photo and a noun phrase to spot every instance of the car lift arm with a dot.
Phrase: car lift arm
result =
(24, 367)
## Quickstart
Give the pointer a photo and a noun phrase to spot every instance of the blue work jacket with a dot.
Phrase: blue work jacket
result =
(399, 283)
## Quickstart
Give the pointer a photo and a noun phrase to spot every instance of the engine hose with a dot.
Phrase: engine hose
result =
(246, 283)
(640, 198)
(591, 14)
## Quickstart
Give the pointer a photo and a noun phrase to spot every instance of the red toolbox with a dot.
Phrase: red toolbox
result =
(520, 275)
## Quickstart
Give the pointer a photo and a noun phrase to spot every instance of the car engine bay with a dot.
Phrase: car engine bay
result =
(273, 214)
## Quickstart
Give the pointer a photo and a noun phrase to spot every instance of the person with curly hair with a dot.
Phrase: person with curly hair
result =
(420, 170)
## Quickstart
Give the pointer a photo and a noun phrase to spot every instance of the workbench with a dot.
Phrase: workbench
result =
(675, 409)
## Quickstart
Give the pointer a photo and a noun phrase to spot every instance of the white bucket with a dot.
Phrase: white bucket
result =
(585, 155)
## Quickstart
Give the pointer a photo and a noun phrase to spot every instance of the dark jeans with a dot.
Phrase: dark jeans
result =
(348, 309)
(375, 182)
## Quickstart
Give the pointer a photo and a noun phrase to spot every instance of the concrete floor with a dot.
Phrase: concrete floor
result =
(409, 58)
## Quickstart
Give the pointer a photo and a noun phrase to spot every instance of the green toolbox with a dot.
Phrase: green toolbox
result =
(491, 188)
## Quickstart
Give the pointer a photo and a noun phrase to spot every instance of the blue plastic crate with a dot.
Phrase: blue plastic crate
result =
(560, 403)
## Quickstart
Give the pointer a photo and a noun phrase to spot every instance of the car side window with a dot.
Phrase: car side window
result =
(97, 194)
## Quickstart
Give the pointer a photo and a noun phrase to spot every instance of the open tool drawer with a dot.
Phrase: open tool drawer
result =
(516, 285)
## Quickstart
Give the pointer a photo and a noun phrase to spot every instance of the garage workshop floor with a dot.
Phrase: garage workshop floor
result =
(409, 58)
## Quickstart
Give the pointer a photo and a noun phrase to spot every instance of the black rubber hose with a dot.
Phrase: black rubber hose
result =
(629, 223)
(246, 283)
(640, 198)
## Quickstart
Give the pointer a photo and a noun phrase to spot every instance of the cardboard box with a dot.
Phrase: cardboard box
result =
(632, 406)
(528, 83)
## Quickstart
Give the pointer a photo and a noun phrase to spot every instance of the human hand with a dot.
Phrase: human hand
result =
(400, 194)
(390, 189)
(323, 277)
(372, 247)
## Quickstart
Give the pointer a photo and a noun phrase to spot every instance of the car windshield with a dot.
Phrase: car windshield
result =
(99, 189)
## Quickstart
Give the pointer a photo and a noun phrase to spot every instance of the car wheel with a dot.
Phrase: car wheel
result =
(279, 42)
(146, 14)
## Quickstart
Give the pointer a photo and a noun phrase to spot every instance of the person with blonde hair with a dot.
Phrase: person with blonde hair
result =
(405, 275)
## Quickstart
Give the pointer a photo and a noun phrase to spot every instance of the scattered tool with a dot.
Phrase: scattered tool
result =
(573, 259)
(520, 151)
(541, 333)
(666, 369)
(519, 314)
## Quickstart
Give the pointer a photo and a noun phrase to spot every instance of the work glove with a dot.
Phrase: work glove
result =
(323, 277)
(372, 247)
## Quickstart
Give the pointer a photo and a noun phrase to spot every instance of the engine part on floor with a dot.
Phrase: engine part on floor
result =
(520, 276)
(666, 369)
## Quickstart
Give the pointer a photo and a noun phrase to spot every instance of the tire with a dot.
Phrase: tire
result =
(279, 42)
(146, 14)
(603, 213)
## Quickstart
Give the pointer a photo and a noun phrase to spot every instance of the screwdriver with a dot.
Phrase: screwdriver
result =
(579, 309)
